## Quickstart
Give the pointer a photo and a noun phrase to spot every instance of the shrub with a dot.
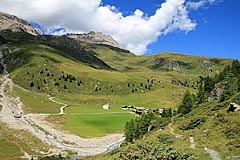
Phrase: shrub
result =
(165, 139)
(193, 123)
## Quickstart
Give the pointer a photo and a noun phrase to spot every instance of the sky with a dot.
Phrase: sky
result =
(196, 27)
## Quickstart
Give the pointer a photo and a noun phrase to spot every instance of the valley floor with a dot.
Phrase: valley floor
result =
(59, 141)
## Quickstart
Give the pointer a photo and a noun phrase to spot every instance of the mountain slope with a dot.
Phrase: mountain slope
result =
(87, 75)
(16, 24)
(97, 38)
(210, 130)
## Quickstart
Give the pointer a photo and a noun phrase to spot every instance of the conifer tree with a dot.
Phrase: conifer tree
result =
(201, 94)
(130, 129)
(230, 88)
(187, 103)
(32, 84)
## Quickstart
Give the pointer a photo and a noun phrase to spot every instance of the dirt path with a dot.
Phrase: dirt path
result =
(35, 124)
(172, 131)
(62, 108)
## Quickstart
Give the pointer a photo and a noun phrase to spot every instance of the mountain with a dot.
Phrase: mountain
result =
(16, 24)
(86, 73)
(97, 38)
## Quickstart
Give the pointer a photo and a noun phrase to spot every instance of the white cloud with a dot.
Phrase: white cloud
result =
(135, 31)
(200, 3)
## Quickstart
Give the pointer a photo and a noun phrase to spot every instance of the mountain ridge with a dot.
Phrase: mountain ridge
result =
(16, 24)
(97, 38)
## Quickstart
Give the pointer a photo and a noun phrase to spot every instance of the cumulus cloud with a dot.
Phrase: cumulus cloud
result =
(135, 31)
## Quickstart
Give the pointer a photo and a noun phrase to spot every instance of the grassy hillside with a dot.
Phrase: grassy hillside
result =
(222, 135)
(69, 70)
(87, 76)
(209, 129)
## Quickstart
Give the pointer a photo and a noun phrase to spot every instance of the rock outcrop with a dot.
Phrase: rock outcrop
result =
(215, 94)
(15, 24)
(97, 38)
(172, 65)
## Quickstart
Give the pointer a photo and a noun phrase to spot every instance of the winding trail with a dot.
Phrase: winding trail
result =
(172, 131)
(61, 141)
(62, 108)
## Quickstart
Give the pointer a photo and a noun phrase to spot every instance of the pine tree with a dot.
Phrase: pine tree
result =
(149, 87)
(230, 88)
(130, 130)
(187, 103)
(208, 84)
(31, 84)
(44, 80)
(65, 87)
(201, 94)
(56, 84)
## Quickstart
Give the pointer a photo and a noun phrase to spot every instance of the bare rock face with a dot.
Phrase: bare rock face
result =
(16, 24)
(96, 37)
(215, 94)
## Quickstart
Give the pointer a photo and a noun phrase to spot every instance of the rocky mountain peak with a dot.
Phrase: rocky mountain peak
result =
(96, 37)
(16, 24)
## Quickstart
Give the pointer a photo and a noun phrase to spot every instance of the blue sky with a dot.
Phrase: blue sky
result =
(217, 33)
(196, 27)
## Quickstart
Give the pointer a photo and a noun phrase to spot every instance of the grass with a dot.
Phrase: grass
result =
(35, 102)
(96, 125)
(13, 144)
(84, 114)
(46, 63)
(9, 150)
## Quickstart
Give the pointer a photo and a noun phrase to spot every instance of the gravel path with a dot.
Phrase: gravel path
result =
(214, 154)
